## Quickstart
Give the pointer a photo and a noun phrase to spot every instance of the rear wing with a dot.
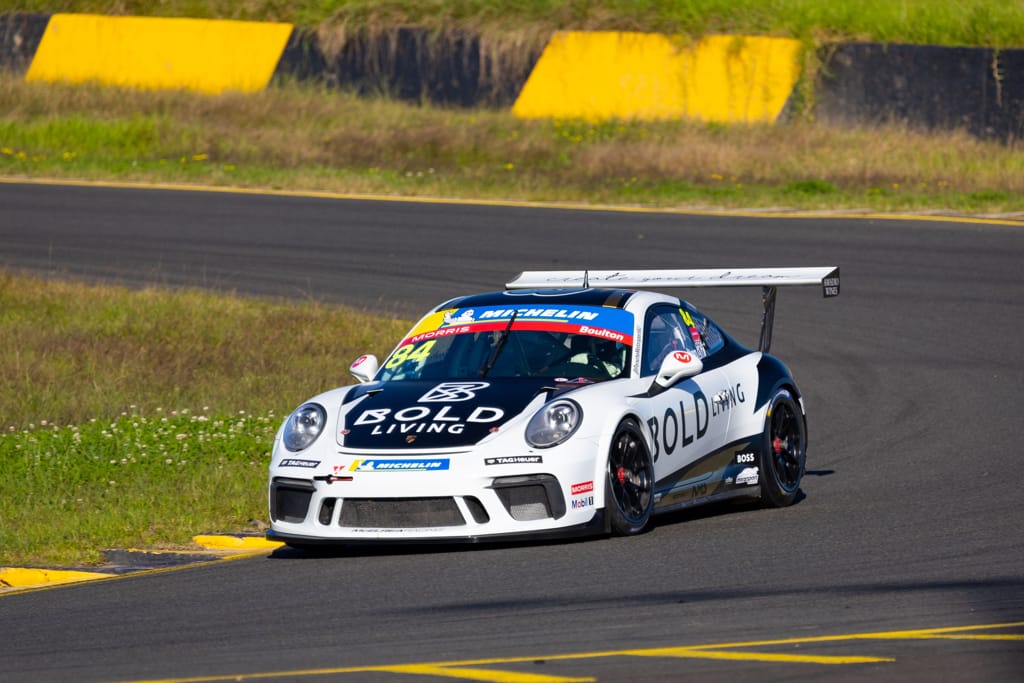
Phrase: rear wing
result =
(767, 278)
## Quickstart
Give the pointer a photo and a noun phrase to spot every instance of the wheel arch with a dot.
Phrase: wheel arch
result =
(773, 376)
(604, 443)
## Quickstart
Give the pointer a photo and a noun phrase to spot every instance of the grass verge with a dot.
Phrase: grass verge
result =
(304, 138)
(140, 418)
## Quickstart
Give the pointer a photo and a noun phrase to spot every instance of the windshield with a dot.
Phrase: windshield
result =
(591, 343)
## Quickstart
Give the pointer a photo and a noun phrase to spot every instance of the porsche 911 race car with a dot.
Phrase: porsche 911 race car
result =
(571, 402)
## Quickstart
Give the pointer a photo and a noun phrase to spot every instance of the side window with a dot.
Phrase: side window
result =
(664, 332)
(702, 330)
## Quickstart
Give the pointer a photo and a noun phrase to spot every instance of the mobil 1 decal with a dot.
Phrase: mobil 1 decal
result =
(692, 417)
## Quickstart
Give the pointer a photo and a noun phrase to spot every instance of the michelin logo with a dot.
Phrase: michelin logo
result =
(464, 318)
(399, 465)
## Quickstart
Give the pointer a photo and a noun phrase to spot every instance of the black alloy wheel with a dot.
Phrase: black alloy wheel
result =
(629, 489)
(784, 452)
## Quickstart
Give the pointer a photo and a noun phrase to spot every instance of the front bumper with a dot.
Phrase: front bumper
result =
(594, 527)
(470, 496)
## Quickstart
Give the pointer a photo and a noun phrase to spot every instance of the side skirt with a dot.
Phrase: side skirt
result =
(753, 492)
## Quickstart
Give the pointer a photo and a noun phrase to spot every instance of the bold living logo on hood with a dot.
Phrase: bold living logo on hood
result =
(420, 419)
(439, 414)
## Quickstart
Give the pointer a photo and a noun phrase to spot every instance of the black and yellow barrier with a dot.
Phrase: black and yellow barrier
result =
(574, 74)
(206, 55)
(610, 74)
(19, 38)
(938, 88)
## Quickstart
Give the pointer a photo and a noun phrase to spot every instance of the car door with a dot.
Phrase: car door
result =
(684, 420)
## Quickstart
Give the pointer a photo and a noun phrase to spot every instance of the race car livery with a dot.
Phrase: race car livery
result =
(569, 403)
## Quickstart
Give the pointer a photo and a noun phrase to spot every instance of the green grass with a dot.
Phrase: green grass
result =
(302, 138)
(140, 418)
(132, 481)
(944, 22)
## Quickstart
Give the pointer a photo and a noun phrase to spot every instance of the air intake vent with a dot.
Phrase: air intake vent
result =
(476, 508)
(289, 499)
(531, 497)
(400, 513)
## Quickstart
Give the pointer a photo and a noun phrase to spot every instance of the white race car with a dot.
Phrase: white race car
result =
(569, 403)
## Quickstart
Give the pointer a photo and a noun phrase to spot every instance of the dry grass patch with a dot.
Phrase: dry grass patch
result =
(70, 352)
(307, 138)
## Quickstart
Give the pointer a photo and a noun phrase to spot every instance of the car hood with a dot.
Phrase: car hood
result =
(421, 415)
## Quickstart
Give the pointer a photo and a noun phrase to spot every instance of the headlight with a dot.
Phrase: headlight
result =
(554, 423)
(304, 425)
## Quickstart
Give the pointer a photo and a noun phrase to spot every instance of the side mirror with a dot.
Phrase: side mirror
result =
(364, 368)
(676, 366)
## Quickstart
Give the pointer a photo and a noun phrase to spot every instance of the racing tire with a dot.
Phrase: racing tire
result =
(784, 453)
(629, 484)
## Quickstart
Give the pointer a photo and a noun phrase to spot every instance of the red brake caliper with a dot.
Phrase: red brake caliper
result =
(777, 445)
(621, 474)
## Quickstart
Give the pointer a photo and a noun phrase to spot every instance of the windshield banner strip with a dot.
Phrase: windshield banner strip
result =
(545, 326)
(606, 323)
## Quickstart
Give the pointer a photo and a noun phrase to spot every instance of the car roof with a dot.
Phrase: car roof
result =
(591, 296)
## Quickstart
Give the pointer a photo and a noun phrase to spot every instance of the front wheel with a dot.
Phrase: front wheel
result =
(629, 482)
(784, 452)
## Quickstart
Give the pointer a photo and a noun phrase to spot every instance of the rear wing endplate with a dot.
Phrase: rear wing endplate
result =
(769, 279)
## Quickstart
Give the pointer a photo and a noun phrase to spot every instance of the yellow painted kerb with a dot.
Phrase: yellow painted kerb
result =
(17, 577)
(223, 542)
(610, 74)
(207, 55)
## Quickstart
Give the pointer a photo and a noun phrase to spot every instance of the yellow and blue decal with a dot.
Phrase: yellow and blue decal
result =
(378, 465)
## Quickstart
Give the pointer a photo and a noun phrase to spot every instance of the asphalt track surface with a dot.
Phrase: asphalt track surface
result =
(903, 560)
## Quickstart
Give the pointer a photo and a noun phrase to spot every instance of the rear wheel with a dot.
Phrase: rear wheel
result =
(629, 483)
(784, 451)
